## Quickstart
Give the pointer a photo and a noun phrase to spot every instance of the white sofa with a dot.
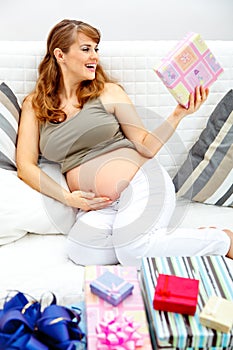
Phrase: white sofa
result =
(36, 262)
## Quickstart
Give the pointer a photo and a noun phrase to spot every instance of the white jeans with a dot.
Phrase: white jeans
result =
(136, 225)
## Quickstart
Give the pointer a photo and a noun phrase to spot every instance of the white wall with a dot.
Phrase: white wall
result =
(119, 19)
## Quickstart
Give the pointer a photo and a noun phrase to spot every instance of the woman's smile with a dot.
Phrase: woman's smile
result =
(91, 67)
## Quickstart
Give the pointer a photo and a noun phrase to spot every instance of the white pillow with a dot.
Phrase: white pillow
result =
(23, 209)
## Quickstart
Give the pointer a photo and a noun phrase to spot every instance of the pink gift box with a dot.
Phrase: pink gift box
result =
(132, 309)
(189, 64)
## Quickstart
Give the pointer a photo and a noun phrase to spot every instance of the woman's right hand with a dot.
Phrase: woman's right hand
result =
(87, 201)
(196, 99)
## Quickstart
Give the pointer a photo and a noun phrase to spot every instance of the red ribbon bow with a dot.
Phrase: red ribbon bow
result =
(164, 293)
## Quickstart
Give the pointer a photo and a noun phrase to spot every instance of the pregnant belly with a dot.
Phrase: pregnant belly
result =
(106, 175)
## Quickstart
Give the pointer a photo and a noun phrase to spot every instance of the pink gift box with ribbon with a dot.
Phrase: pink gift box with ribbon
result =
(122, 327)
(189, 64)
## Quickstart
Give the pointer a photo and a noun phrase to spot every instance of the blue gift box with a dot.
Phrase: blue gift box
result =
(111, 288)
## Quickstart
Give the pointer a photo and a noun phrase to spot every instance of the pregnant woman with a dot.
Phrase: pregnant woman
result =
(81, 118)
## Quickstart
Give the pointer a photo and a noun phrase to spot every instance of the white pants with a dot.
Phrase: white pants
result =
(136, 225)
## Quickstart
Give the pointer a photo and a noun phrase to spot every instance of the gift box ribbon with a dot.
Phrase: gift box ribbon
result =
(24, 326)
(116, 334)
(213, 311)
(113, 290)
(166, 293)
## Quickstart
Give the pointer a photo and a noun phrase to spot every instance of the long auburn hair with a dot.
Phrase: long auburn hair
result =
(45, 97)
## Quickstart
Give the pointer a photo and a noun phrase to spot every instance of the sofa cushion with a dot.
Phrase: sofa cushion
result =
(9, 118)
(23, 209)
(206, 175)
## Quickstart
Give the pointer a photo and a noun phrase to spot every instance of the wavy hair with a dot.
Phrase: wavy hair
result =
(45, 97)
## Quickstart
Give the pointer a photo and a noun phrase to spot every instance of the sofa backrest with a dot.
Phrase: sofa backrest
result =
(132, 64)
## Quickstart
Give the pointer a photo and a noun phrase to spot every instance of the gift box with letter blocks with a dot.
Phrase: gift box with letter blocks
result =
(170, 330)
(189, 64)
(111, 327)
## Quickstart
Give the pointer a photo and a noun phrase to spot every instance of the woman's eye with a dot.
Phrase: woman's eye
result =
(87, 49)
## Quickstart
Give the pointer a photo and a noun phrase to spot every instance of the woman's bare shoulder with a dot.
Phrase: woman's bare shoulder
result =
(113, 88)
(114, 93)
(27, 102)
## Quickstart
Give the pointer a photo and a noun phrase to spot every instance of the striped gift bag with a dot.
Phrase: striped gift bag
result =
(177, 331)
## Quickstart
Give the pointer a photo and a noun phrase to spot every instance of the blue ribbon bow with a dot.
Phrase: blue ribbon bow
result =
(24, 326)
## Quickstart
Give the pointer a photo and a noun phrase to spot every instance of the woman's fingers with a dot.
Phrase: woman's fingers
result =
(198, 94)
(204, 93)
(191, 101)
(92, 199)
(88, 195)
(197, 98)
(90, 202)
(201, 94)
(97, 200)
(97, 203)
(87, 201)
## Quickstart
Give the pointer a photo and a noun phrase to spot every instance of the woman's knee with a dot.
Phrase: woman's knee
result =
(85, 255)
(131, 253)
(89, 242)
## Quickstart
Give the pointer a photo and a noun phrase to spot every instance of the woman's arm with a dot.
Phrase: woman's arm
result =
(148, 143)
(157, 138)
(29, 172)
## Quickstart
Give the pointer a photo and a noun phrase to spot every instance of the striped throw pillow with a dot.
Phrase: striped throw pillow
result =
(206, 176)
(9, 119)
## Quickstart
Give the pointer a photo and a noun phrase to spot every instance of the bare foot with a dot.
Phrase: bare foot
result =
(230, 234)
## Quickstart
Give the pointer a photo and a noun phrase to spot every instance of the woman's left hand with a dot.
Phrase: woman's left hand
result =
(196, 99)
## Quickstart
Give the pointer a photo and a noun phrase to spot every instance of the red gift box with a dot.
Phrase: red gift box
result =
(176, 294)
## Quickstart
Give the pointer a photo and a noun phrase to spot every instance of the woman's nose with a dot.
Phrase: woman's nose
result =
(94, 54)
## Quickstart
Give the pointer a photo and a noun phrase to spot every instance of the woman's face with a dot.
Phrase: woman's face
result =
(82, 58)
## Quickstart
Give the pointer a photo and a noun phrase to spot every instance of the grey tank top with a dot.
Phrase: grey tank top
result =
(90, 133)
